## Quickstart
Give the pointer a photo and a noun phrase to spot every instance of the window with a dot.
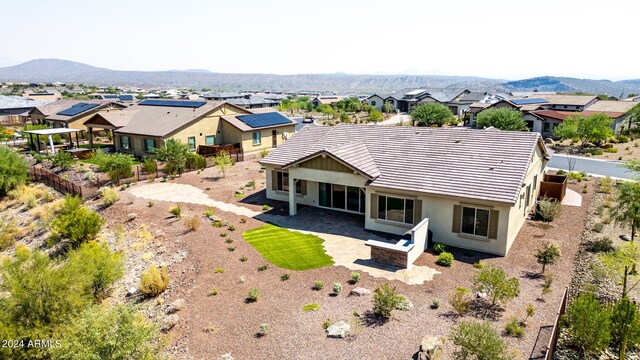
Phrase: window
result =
(341, 197)
(282, 181)
(192, 142)
(545, 128)
(373, 103)
(257, 138)
(210, 140)
(395, 209)
(475, 221)
(149, 145)
(125, 142)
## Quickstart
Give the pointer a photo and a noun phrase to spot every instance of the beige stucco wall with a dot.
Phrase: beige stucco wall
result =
(266, 138)
(137, 144)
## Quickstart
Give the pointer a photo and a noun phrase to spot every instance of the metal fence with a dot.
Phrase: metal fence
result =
(553, 341)
(52, 180)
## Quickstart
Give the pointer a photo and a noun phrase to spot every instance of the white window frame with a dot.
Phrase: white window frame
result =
(253, 136)
(475, 222)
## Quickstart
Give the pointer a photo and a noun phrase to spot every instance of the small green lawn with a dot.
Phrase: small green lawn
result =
(92, 161)
(288, 249)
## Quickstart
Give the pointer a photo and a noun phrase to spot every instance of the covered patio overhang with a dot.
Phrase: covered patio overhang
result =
(100, 122)
(49, 133)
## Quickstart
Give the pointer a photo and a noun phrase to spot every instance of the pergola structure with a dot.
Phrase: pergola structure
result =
(49, 133)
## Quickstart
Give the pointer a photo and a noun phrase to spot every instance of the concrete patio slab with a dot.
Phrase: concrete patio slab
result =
(572, 198)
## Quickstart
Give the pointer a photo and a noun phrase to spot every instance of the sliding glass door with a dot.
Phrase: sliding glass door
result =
(341, 197)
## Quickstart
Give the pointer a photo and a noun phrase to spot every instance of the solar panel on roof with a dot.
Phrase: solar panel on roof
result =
(173, 103)
(77, 109)
(265, 119)
(110, 96)
(125, 97)
(528, 101)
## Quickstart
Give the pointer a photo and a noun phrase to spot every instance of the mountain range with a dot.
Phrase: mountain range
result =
(51, 70)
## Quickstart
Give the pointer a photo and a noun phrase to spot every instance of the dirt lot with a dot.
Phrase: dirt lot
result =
(214, 325)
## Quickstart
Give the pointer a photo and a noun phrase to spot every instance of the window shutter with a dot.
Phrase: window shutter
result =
(457, 215)
(417, 211)
(374, 206)
(304, 187)
(274, 180)
(494, 216)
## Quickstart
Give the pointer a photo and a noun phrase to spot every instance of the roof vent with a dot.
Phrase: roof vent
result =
(458, 141)
(492, 168)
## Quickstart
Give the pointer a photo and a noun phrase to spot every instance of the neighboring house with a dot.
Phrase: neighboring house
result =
(145, 126)
(376, 101)
(114, 97)
(634, 98)
(15, 109)
(70, 113)
(46, 94)
(568, 102)
(326, 100)
(475, 191)
(617, 110)
(544, 121)
(247, 101)
(411, 99)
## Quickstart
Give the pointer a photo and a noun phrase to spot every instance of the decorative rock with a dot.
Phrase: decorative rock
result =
(170, 321)
(214, 218)
(239, 192)
(131, 216)
(480, 295)
(226, 356)
(175, 306)
(360, 291)
(132, 291)
(339, 330)
(430, 348)
(625, 237)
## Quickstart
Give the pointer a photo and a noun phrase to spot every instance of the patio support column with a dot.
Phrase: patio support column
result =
(90, 137)
(292, 195)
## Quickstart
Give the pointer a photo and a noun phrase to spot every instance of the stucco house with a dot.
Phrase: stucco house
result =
(71, 114)
(476, 187)
(145, 126)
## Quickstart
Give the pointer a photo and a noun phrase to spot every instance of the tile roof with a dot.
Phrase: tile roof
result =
(579, 100)
(611, 106)
(163, 120)
(468, 163)
(59, 105)
(101, 105)
(18, 102)
(554, 114)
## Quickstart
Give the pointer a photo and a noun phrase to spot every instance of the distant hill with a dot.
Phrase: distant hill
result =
(51, 70)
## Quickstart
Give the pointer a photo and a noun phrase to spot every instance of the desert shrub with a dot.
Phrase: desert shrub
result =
(97, 329)
(254, 295)
(231, 228)
(513, 328)
(264, 329)
(243, 258)
(385, 300)
(622, 138)
(598, 227)
(153, 281)
(223, 234)
(594, 152)
(460, 300)
(229, 241)
(13, 170)
(588, 324)
(611, 150)
(251, 184)
(355, 277)
(76, 223)
(311, 307)
(117, 165)
(175, 211)
(214, 291)
(548, 209)
(109, 196)
(149, 165)
(62, 159)
(530, 311)
(262, 268)
(475, 340)
(266, 207)
(337, 288)
(284, 277)
(243, 220)
(581, 175)
(100, 265)
(192, 222)
(8, 232)
(605, 185)
(548, 254)
(445, 259)
(602, 244)
(403, 303)
(560, 172)
(231, 248)
(209, 212)
(625, 325)
(435, 303)
(318, 285)
(493, 280)
(478, 265)
(196, 161)
(218, 270)
(546, 285)
(326, 324)
(439, 248)
(264, 153)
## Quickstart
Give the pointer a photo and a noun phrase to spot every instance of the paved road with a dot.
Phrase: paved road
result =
(591, 166)
(396, 119)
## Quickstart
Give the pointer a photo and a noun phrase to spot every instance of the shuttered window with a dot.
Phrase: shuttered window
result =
(396, 209)
(475, 221)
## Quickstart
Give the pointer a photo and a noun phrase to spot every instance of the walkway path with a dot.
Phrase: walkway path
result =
(347, 251)
(186, 194)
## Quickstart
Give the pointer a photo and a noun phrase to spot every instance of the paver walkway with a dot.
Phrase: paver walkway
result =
(343, 234)
(572, 198)
(186, 194)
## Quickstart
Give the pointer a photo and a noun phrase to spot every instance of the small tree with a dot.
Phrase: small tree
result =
(431, 114)
(375, 116)
(174, 154)
(76, 223)
(530, 311)
(475, 340)
(385, 299)
(493, 280)
(588, 323)
(548, 254)
(628, 210)
(387, 107)
(100, 265)
(223, 161)
(625, 325)
(13, 170)
(595, 128)
(502, 119)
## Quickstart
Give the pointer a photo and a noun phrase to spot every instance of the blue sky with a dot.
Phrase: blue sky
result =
(499, 39)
